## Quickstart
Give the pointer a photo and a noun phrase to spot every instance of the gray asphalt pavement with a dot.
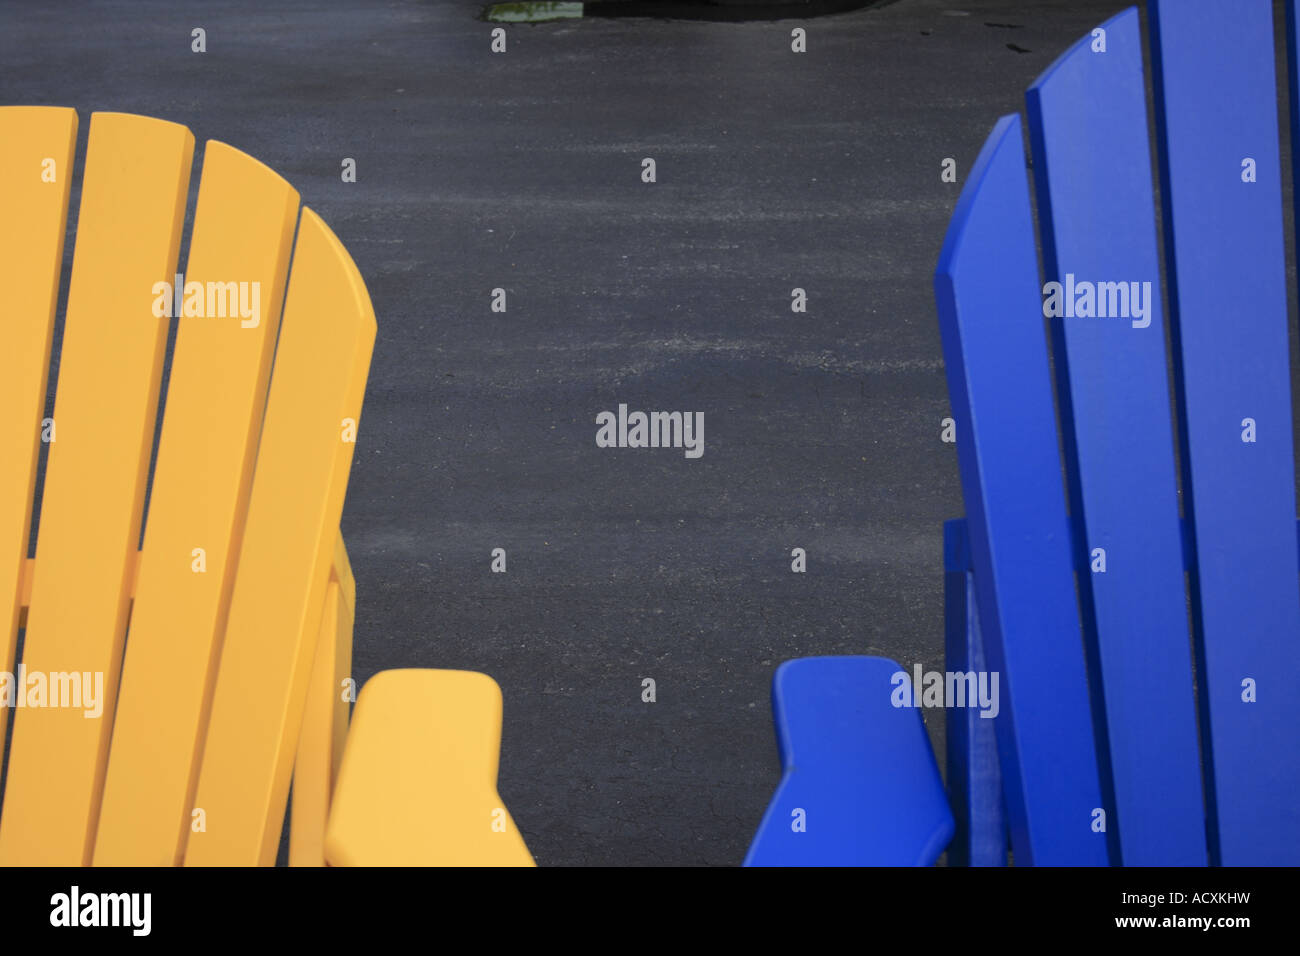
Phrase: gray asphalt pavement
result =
(522, 170)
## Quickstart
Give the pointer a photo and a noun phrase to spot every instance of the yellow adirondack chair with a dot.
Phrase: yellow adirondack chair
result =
(178, 744)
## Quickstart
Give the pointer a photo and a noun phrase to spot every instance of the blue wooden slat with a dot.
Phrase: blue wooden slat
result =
(858, 774)
(1092, 166)
(974, 779)
(995, 349)
(1216, 107)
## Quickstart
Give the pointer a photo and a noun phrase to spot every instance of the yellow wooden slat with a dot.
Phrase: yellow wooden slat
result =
(239, 256)
(418, 782)
(29, 575)
(342, 703)
(342, 571)
(36, 150)
(128, 236)
(315, 765)
(284, 565)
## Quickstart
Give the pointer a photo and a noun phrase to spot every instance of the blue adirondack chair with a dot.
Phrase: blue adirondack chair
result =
(1149, 655)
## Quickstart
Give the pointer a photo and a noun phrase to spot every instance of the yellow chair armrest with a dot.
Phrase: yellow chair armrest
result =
(417, 786)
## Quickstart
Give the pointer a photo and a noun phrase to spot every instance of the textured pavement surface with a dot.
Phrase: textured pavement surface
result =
(522, 171)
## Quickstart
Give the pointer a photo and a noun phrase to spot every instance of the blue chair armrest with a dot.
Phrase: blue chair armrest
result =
(860, 785)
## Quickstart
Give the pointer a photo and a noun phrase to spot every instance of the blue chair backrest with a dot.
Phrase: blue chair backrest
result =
(1150, 722)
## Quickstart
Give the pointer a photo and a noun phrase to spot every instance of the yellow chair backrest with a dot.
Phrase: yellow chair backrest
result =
(179, 744)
